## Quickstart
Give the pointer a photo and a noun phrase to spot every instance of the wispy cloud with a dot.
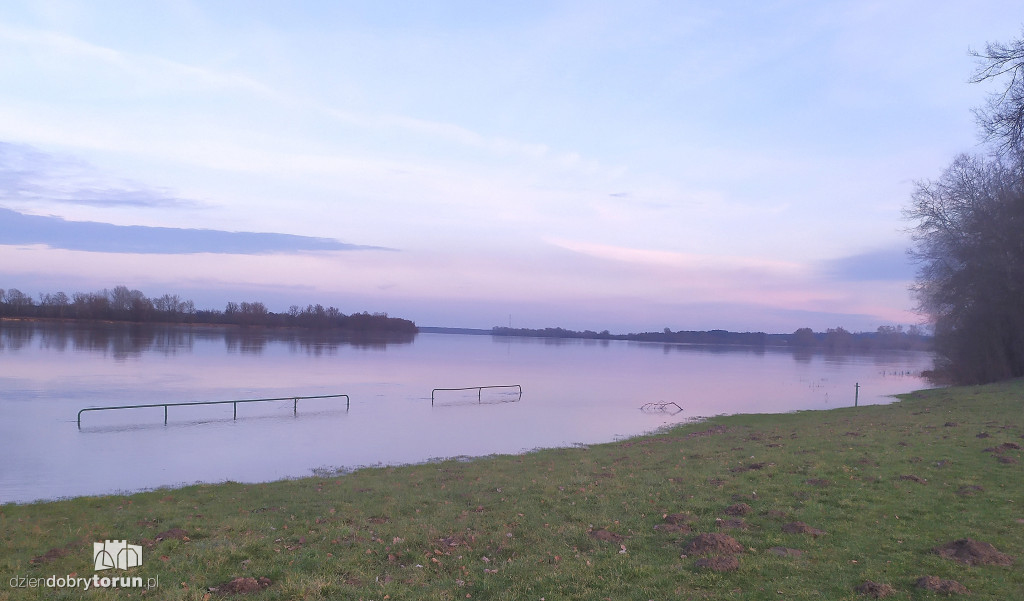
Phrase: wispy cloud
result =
(678, 259)
(54, 232)
(883, 265)
(30, 176)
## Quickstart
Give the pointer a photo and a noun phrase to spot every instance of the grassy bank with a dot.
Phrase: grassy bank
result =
(886, 485)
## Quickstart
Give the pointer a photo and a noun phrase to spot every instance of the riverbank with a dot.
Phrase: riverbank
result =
(817, 503)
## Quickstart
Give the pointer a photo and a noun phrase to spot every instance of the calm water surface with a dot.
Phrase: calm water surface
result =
(573, 392)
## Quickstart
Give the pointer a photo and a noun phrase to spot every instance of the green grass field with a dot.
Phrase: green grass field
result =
(887, 485)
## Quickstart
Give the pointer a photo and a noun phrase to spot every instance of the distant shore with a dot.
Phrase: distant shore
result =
(838, 339)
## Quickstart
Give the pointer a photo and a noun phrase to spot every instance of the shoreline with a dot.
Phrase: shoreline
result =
(818, 502)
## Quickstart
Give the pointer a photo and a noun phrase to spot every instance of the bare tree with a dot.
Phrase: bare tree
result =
(969, 243)
(1002, 118)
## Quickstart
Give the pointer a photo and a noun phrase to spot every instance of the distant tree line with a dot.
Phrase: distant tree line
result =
(834, 339)
(126, 305)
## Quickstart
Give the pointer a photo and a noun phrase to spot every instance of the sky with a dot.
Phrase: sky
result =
(627, 166)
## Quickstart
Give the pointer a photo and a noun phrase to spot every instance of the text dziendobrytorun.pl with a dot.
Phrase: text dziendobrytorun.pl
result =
(85, 583)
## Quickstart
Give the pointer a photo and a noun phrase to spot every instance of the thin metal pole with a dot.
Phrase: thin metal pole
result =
(856, 393)
(165, 415)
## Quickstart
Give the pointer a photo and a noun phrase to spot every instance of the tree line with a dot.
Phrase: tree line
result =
(833, 339)
(126, 305)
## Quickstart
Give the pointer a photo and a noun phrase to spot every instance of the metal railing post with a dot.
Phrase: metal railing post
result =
(234, 405)
(479, 391)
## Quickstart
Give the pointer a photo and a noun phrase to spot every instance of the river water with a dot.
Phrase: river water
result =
(573, 392)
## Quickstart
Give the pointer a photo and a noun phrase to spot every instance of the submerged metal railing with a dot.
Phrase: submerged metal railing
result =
(662, 407)
(479, 391)
(295, 404)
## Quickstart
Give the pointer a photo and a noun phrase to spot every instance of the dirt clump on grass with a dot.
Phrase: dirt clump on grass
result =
(750, 467)
(54, 553)
(176, 533)
(241, 586)
(971, 552)
(801, 528)
(713, 544)
(738, 509)
(819, 482)
(731, 524)
(969, 490)
(606, 536)
(719, 563)
(719, 550)
(999, 450)
(914, 478)
(940, 585)
(456, 540)
(875, 589)
(675, 522)
(709, 432)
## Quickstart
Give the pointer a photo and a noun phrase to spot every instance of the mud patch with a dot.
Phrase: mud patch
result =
(969, 490)
(875, 589)
(801, 528)
(242, 586)
(939, 585)
(971, 552)
(819, 482)
(713, 544)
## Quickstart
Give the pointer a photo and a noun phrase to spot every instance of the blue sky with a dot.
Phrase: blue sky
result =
(621, 165)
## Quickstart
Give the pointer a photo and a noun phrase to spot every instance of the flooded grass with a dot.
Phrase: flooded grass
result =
(807, 505)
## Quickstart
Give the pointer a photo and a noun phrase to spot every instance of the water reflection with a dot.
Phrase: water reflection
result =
(573, 392)
(123, 341)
